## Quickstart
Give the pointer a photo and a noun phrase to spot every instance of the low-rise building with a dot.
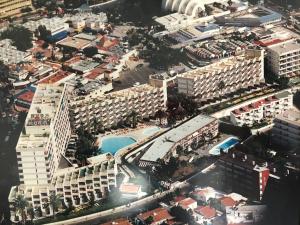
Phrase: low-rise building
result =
(121, 221)
(262, 110)
(186, 135)
(205, 214)
(57, 26)
(10, 55)
(159, 215)
(223, 77)
(286, 129)
(130, 190)
(283, 59)
(188, 204)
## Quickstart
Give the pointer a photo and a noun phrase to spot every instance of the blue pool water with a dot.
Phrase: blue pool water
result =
(227, 144)
(151, 130)
(113, 144)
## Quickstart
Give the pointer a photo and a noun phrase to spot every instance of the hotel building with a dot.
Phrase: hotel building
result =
(264, 109)
(284, 58)
(74, 186)
(286, 130)
(191, 132)
(238, 72)
(40, 155)
(45, 135)
(112, 108)
(10, 8)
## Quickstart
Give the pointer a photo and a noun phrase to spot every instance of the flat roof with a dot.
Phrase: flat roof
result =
(291, 116)
(164, 143)
(285, 47)
(73, 42)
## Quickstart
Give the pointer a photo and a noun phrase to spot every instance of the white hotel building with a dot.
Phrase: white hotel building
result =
(40, 151)
(262, 110)
(284, 58)
(237, 72)
(111, 108)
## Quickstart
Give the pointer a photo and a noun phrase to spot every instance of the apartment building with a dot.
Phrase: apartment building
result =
(224, 77)
(286, 130)
(262, 110)
(75, 186)
(10, 8)
(186, 135)
(284, 58)
(45, 135)
(244, 174)
(113, 108)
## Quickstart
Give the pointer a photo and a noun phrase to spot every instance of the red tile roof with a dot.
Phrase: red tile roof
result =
(121, 221)
(26, 96)
(159, 215)
(186, 202)
(227, 201)
(53, 78)
(130, 188)
(206, 211)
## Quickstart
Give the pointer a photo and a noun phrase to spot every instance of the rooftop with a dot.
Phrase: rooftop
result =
(290, 116)
(129, 188)
(158, 214)
(206, 211)
(285, 47)
(164, 143)
(73, 42)
(121, 221)
(227, 201)
(223, 64)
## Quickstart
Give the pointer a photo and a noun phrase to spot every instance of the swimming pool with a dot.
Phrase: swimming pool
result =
(151, 130)
(114, 144)
(225, 145)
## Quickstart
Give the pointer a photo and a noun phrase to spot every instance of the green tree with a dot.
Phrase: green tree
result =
(21, 37)
(43, 33)
(149, 220)
(54, 202)
(160, 115)
(90, 51)
(133, 118)
(20, 204)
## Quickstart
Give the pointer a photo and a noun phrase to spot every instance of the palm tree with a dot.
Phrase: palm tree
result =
(54, 202)
(160, 115)
(20, 204)
(221, 86)
(133, 118)
(30, 212)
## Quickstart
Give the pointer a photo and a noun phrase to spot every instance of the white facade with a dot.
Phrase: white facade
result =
(75, 186)
(45, 135)
(284, 58)
(114, 107)
(262, 110)
(286, 130)
(190, 7)
(242, 71)
(10, 55)
(55, 25)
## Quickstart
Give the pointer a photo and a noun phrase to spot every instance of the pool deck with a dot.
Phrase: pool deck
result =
(137, 134)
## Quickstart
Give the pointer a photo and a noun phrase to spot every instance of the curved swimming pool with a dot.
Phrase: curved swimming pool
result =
(114, 144)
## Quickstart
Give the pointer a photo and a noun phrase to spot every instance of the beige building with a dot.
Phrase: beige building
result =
(223, 77)
(45, 135)
(284, 58)
(75, 186)
(286, 130)
(112, 108)
(10, 8)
